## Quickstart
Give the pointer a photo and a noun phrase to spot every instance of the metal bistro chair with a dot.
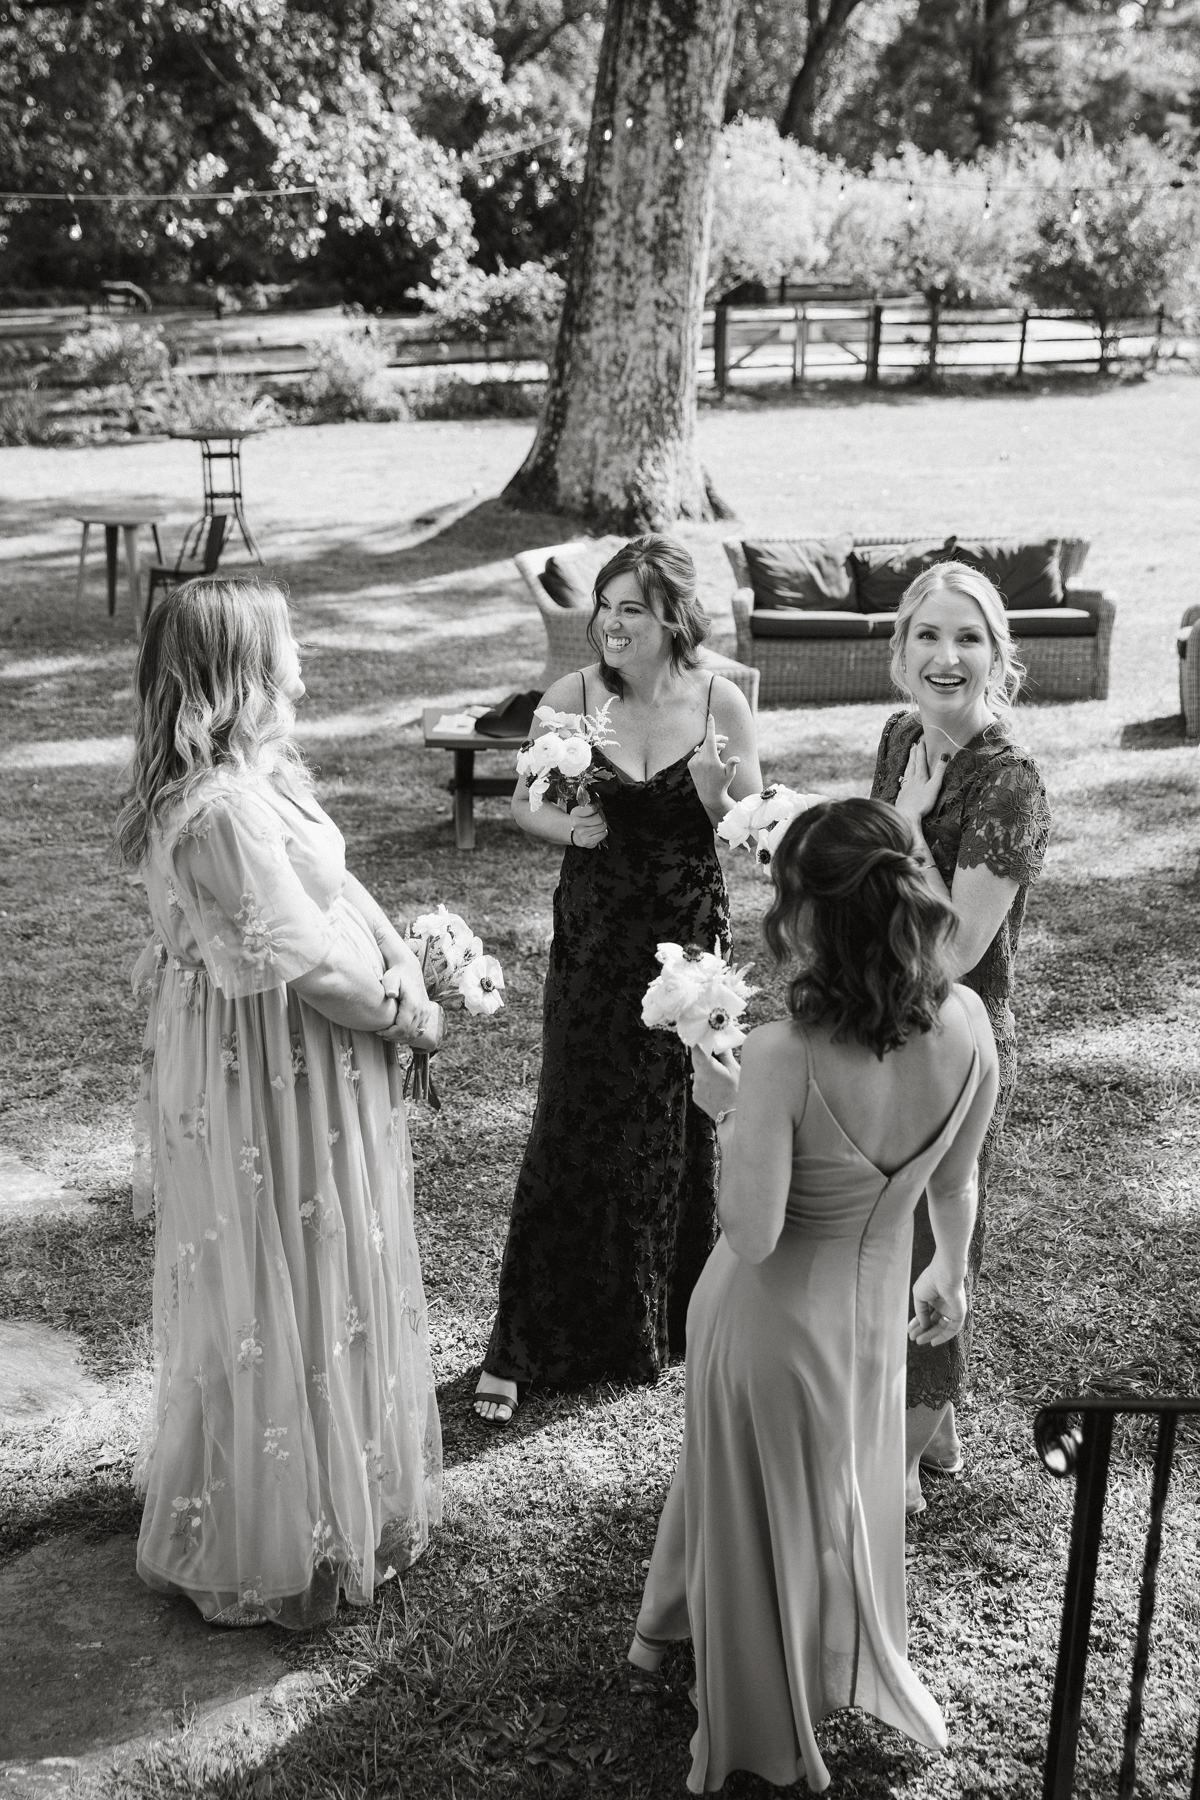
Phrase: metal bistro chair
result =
(1082, 1450)
(172, 575)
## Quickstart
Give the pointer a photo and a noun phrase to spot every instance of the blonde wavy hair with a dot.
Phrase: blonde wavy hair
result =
(208, 697)
(1006, 673)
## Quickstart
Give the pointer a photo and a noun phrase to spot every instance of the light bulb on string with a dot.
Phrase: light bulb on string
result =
(1076, 209)
(629, 121)
(608, 134)
(679, 140)
(987, 200)
(74, 229)
(912, 199)
(534, 166)
(171, 226)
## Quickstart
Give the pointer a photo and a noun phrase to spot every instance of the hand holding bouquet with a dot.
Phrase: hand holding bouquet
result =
(560, 765)
(698, 996)
(759, 821)
(457, 974)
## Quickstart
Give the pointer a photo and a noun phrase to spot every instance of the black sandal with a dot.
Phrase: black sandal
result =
(495, 1398)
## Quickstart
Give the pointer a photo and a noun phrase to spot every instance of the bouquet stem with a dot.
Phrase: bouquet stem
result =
(418, 1082)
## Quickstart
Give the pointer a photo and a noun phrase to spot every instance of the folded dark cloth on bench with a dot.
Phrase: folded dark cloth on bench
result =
(510, 717)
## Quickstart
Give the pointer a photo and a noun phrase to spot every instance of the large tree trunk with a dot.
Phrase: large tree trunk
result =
(992, 71)
(616, 443)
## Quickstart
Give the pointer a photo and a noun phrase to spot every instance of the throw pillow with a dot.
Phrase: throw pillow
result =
(566, 583)
(809, 576)
(883, 571)
(1028, 575)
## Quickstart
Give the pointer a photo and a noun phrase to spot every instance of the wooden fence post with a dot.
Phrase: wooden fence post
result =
(721, 348)
(1159, 319)
(935, 315)
(800, 346)
(874, 336)
(1024, 335)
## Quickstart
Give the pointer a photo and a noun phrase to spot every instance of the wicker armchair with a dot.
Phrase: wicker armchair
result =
(1188, 645)
(567, 646)
(832, 669)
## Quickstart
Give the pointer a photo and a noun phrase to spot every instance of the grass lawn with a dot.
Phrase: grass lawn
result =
(517, 1620)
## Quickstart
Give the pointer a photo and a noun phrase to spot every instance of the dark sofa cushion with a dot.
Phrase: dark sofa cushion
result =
(1028, 575)
(1053, 621)
(883, 571)
(566, 583)
(790, 622)
(881, 625)
(809, 576)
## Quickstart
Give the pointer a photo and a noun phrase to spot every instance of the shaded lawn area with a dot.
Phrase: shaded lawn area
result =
(527, 1597)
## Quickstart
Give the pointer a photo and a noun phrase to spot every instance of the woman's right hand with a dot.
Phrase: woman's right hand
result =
(419, 1022)
(589, 827)
(920, 785)
(940, 1304)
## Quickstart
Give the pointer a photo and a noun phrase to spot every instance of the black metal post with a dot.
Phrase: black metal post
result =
(1091, 1486)
(1164, 1452)
(1024, 336)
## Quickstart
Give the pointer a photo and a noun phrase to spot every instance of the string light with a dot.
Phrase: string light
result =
(987, 200)
(629, 121)
(912, 198)
(608, 134)
(1076, 209)
(534, 166)
(679, 140)
(75, 229)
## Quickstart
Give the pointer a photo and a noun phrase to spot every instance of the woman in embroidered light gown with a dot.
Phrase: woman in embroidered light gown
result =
(295, 1445)
(780, 1551)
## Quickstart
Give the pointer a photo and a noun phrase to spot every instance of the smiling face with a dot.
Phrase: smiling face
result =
(948, 654)
(629, 629)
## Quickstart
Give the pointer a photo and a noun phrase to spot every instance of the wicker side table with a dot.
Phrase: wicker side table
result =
(1188, 645)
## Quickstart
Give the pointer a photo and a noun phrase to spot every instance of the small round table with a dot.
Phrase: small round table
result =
(115, 520)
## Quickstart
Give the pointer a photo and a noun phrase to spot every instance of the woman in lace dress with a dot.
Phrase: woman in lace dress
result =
(780, 1551)
(295, 1446)
(615, 1203)
(953, 769)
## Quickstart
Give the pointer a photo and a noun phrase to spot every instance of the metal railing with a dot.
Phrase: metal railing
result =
(1082, 1449)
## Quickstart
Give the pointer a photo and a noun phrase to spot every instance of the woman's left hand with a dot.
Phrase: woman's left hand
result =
(710, 776)
(715, 1081)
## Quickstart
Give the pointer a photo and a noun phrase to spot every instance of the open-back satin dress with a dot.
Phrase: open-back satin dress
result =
(780, 1550)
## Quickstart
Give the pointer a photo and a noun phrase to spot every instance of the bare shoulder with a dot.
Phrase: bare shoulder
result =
(729, 705)
(975, 1024)
(774, 1050)
(566, 694)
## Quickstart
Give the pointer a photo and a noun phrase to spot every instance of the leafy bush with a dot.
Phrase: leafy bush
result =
(523, 303)
(773, 206)
(453, 397)
(350, 380)
(1113, 239)
(112, 355)
(26, 419)
(224, 403)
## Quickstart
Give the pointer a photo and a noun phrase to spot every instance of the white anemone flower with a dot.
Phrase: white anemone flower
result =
(481, 984)
(575, 756)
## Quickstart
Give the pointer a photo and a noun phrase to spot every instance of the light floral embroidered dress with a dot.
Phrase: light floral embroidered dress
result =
(296, 1447)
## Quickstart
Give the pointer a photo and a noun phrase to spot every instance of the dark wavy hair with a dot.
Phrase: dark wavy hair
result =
(666, 577)
(873, 949)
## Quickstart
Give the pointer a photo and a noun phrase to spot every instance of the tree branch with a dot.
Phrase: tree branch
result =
(796, 120)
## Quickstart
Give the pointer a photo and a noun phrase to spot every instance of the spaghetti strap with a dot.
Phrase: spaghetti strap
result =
(708, 702)
(809, 1070)
(583, 690)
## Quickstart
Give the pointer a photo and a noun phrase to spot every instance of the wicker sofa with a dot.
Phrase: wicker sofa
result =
(567, 646)
(1071, 664)
(1188, 645)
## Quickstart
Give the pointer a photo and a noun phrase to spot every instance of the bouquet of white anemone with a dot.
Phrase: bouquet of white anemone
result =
(759, 821)
(560, 765)
(457, 974)
(698, 996)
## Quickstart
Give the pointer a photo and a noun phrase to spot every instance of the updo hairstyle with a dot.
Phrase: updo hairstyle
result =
(666, 578)
(872, 945)
(1006, 673)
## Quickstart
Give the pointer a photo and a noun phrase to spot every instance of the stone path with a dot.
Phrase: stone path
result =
(93, 1665)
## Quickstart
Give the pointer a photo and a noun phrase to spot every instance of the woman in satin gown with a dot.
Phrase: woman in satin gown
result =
(780, 1551)
(615, 1208)
(294, 1447)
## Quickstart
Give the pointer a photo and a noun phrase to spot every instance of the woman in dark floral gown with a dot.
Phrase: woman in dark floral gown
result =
(615, 1207)
(953, 768)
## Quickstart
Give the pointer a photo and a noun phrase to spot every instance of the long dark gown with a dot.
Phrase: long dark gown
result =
(615, 1207)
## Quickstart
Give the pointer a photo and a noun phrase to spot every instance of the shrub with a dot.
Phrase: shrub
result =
(1113, 239)
(513, 304)
(111, 355)
(773, 205)
(453, 397)
(26, 419)
(223, 403)
(350, 380)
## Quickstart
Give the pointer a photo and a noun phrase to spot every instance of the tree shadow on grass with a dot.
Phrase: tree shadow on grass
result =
(1154, 734)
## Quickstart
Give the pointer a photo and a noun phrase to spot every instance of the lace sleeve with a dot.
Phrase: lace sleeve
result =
(885, 779)
(1007, 827)
(256, 925)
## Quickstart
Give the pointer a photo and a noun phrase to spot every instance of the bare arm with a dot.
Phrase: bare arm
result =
(939, 1293)
(756, 1141)
(722, 777)
(550, 823)
(387, 936)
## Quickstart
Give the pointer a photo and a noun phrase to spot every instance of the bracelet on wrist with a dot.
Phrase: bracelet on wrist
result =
(574, 845)
(726, 1113)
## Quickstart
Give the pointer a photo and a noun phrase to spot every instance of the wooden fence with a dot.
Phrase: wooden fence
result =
(876, 340)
